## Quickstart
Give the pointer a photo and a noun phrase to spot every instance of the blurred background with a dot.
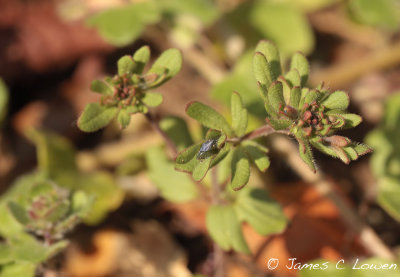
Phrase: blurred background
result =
(50, 51)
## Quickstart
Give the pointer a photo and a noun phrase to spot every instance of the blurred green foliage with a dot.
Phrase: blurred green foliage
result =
(385, 160)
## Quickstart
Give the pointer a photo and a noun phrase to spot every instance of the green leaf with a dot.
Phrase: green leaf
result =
(306, 152)
(49, 148)
(241, 80)
(27, 249)
(19, 212)
(107, 194)
(221, 155)
(6, 254)
(208, 117)
(351, 119)
(240, 167)
(122, 25)
(152, 99)
(177, 130)
(141, 58)
(258, 155)
(284, 24)
(186, 160)
(170, 59)
(126, 66)
(275, 95)
(271, 53)
(300, 63)
(293, 78)
(295, 95)
(338, 100)
(4, 95)
(81, 202)
(204, 10)
(201, 168)
(173, 185)
(388, 196)
(279, 124)
(262, 71)
(361, 149)
(225, 229)
(124, 118)
(95, 117)
(239, 114)
(101, 87)
(18, 269)
(56, 248)
(383, 13)
(263, 213)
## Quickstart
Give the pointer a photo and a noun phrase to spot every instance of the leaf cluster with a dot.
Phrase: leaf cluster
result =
(312, 116)
(129, 91)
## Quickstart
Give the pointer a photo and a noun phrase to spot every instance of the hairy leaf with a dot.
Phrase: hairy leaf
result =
(170, 59)
(95, 117)
(173, 185)
(264, 214)
(240, 167)
(225, 229)
(141, 58)
(208, 117)
(338, 100)
(101, 87)
(239, 114)
(258, 155)
(300, 63)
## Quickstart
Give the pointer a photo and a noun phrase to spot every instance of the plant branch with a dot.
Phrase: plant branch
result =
(262, 131)
(369, 239)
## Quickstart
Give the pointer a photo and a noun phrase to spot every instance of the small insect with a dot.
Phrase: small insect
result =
(208, 148)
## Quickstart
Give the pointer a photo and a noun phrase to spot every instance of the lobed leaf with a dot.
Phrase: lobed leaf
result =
(186, 160)
(177, 130)
(101, 87)
(257, 154)
(240, 167)
(201, 168)
(293, 78)
(271, 53)
(300, 63)
(170, 59)
(19, 212)
(239, 115)
(208, 117)
(264, 214)
(141, 58)
(295, 95)
(225, 229)
(124, 118)
(275, 95)
(95, 117)
(152, 99)
(126, 66)
(173, 185)
(306, 152)
(338, 100)
(262, 71)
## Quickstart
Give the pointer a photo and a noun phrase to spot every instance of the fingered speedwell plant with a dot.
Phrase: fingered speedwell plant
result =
(312, 116)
